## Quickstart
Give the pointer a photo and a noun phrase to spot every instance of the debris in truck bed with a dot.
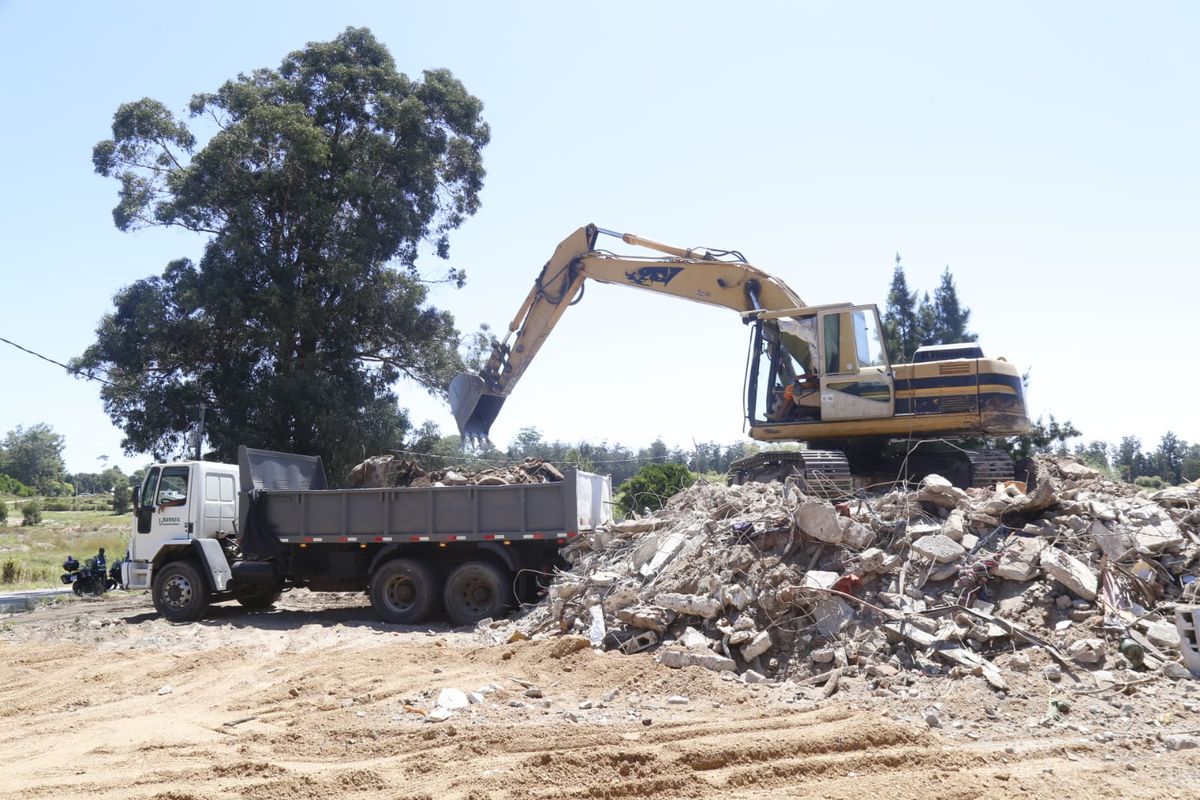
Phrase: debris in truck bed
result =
(763, 580)
(382, 471)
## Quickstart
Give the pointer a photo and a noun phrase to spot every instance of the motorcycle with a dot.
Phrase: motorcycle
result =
(88, 579)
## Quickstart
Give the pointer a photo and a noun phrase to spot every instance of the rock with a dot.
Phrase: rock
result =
(691, 604)
(439, 714)
(1175, 671)
(1157, 535)
(932, 717)
(679, 657)
(534, 692)
(647, 618)
(1070, 572)
(758, 645)
(585, 705)
(818, 520)
(1063, 601)
(939, 548)
(872, 560)
(677, 700)
(1019, 662)
(1086, 651)
(1111, 543)
(750, 676)
(1077, 472)
(939, 491)
(955, 525)
(968, 541)
(1053, 673)
(694, 639)
(452, 699)
(1019, 561)
(1163, 635)
(737, 596)
(823, 655)
(1180, 741)
(475, 698)
(167, 689)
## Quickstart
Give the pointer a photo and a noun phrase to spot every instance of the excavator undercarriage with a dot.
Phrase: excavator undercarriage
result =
(840, 473)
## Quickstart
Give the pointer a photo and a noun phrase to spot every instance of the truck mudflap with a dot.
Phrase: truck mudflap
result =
(216, 566)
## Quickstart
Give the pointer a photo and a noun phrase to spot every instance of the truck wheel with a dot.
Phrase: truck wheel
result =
(403, 591)
(260, 602)
(181, 593)
(476, 590)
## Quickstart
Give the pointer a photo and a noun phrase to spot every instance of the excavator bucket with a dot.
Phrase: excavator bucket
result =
(474, 407)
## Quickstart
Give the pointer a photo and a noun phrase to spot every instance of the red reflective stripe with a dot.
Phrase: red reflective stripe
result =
(308, 539)
(343, 538)
(539, 536)
(379, 538)
(414, 538)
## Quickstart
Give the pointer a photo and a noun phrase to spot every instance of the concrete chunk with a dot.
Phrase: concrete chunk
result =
(647, 618)
(1020, 559)
(818, 520)
(695, 605)
(939, 548)
(939, 491)
(680, 657)
(1070, 572)
(758, 645)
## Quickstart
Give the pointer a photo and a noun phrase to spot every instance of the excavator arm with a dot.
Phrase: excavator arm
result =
(719, 278)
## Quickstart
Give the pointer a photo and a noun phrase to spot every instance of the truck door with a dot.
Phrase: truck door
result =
(172, 504)
(856, 380)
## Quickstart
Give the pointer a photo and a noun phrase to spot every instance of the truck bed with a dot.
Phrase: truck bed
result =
(293, 512)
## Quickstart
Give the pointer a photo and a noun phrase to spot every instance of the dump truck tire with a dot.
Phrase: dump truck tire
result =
(181, 593)
(260, 602)
(477, 590)
(403, 591)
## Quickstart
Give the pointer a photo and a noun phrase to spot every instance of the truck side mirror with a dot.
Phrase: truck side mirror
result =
(137, 497)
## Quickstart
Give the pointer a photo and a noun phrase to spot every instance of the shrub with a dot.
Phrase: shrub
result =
(57, 505)
(3, 512)
(10, 570)
(1148, 481)
(651, 487)
(120, 501)
(31, 513)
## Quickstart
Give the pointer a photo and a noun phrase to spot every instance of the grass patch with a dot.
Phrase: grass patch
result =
(31, 557)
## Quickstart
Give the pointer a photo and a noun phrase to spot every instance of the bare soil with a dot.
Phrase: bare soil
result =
(317, 699)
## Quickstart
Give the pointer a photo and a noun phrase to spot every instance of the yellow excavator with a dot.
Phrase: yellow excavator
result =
(817, 374)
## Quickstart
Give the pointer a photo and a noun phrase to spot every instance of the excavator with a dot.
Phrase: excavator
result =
(818, 375)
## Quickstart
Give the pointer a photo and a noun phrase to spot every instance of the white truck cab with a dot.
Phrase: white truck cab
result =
(182, 506)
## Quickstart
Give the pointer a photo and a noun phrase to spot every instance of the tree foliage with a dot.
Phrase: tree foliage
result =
(323, 180)
(909, 323)
(33, 456)
(652, 486)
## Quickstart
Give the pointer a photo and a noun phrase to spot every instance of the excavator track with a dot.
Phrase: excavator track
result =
(829, 473)
(822, 473)
(989, 467)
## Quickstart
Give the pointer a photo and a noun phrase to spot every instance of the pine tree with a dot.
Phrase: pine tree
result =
(950, 317)
(927, 323)
(900, 325)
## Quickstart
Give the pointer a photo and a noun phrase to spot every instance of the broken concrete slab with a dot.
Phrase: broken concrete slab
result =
(1020, 559)
(647, 618)
(938, 548)
(1070, 572)
(691, 604)
(679, 657)
(939, 491)
(757, 646)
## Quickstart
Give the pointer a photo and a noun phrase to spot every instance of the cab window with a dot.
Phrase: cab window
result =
(172, 487)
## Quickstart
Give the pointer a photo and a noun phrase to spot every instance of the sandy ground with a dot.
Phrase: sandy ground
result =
(319, 700)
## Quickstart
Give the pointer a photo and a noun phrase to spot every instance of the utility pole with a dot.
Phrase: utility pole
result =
(200, 432)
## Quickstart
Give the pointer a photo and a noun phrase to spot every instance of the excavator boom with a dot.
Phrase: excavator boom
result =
(714, 277)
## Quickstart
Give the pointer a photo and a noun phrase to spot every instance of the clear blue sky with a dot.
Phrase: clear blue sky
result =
(1046, 152)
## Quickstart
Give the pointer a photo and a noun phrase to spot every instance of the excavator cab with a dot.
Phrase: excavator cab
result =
(819, 364)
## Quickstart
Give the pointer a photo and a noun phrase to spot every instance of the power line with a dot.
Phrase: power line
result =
(70, 370)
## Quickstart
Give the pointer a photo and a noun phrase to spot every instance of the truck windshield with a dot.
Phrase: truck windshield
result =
(172, 487)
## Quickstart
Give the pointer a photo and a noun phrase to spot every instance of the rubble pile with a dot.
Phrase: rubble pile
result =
(769, 583)
(382, 471)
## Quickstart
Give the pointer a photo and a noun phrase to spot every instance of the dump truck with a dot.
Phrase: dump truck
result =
(206, 532)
